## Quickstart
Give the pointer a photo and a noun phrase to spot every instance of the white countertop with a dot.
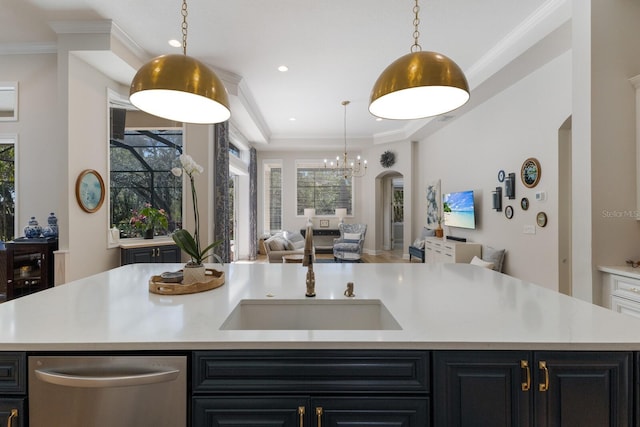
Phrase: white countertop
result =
(622, 270)
(139, 242)
(438, 306)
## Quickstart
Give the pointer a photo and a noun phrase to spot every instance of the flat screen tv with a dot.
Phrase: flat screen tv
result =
(459, 209)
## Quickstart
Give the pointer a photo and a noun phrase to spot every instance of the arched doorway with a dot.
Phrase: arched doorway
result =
(390, 212)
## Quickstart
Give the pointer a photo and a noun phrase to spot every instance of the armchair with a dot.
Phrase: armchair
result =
(351, 242)
(417, 248)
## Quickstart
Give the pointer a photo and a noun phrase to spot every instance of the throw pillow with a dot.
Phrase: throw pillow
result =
(496, 256)
(418, 243)
(352, 236)
(477, 261)
(294, 240)
(276, 243)
(427, 233)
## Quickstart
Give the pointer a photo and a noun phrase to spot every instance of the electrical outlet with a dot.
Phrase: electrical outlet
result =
(529, 229)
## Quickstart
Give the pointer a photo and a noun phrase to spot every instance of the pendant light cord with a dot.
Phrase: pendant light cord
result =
(184, 27)
(416, 33)
(344, 162)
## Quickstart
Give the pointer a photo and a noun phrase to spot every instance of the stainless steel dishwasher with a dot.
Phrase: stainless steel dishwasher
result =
(97, 391)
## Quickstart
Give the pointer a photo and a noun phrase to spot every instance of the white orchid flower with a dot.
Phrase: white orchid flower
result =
(189, 165)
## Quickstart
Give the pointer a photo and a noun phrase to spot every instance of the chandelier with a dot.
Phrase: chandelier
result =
(348, 168)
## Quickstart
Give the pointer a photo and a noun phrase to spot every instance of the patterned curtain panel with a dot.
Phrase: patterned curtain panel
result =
(222, 230)
(253, 204)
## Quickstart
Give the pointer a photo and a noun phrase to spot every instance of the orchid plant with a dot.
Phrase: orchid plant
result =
(185, 241)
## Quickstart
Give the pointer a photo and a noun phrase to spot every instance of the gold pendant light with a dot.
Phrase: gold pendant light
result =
(180, 88)
(419, 84)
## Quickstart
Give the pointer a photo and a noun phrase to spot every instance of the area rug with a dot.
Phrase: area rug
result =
(331, 261)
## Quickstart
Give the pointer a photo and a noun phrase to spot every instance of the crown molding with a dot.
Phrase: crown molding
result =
(28, 48)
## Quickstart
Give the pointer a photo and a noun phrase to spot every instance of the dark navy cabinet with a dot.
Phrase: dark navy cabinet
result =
(311, 388)
(13, 389)
(520, 388)
(150, 254)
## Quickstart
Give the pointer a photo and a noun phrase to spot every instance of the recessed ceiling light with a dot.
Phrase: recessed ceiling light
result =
(283, 68)
(175, 43)
(292, 119)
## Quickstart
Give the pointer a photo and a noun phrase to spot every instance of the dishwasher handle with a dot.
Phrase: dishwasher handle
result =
(98, 381)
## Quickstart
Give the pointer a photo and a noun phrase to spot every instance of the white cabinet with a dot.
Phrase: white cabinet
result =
(621, 290)
(450, 251)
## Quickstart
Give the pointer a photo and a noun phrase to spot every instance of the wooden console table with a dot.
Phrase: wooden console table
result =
(323, 239)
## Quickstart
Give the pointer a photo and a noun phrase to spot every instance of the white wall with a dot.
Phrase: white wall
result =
(520, 122)
(372, 198)
(615, 57)
(88, 148)
(40, 146)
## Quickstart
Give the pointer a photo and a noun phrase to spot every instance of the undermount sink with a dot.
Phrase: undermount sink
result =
(310, 314)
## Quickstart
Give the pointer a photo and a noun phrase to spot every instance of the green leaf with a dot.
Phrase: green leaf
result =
(185, 241)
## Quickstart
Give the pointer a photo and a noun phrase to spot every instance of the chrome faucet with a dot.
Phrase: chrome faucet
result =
(307, 261)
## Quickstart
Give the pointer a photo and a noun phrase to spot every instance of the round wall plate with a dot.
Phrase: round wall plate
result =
(90, 190)
(508, 212)
(501, 175)
(524, 203)
(530, 172)
(541, 219)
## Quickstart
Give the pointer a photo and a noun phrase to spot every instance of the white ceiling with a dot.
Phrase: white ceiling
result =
(335, 50)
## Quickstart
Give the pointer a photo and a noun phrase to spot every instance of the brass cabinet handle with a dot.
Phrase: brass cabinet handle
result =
(319, 416)
(524, 364)
(13, 416)
(301, 414)
(542, 365)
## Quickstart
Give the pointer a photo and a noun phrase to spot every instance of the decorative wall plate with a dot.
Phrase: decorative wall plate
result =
(501, 175)
(541, 219)
(90, 190)
(508, 212)
(387, 159)
(530, 172)
(524, 203)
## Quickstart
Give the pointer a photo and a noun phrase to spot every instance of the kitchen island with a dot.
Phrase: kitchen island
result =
(451, 322)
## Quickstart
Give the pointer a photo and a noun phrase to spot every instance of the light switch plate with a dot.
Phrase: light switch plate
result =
(529, 229)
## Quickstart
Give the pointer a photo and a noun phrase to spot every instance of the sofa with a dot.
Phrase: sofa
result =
(283, 243)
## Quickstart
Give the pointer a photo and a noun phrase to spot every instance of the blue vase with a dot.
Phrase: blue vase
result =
(51, 230)
(33, 230)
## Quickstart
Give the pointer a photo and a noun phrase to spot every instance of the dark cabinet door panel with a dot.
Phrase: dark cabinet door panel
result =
(370, 411)
(478, 388)
(584, 389)
(247, 411)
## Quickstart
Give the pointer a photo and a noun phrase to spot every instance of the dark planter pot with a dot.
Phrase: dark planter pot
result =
(148, 234)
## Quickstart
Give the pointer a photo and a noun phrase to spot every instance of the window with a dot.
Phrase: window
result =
(272, 196)
(322, 189)
(7, 189)
(140, 173)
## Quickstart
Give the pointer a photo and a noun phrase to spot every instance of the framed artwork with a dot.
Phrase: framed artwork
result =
(541, 219)
(433, 204)
(530, 172)
(324, 223)
(508, 212)
(90, 190)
